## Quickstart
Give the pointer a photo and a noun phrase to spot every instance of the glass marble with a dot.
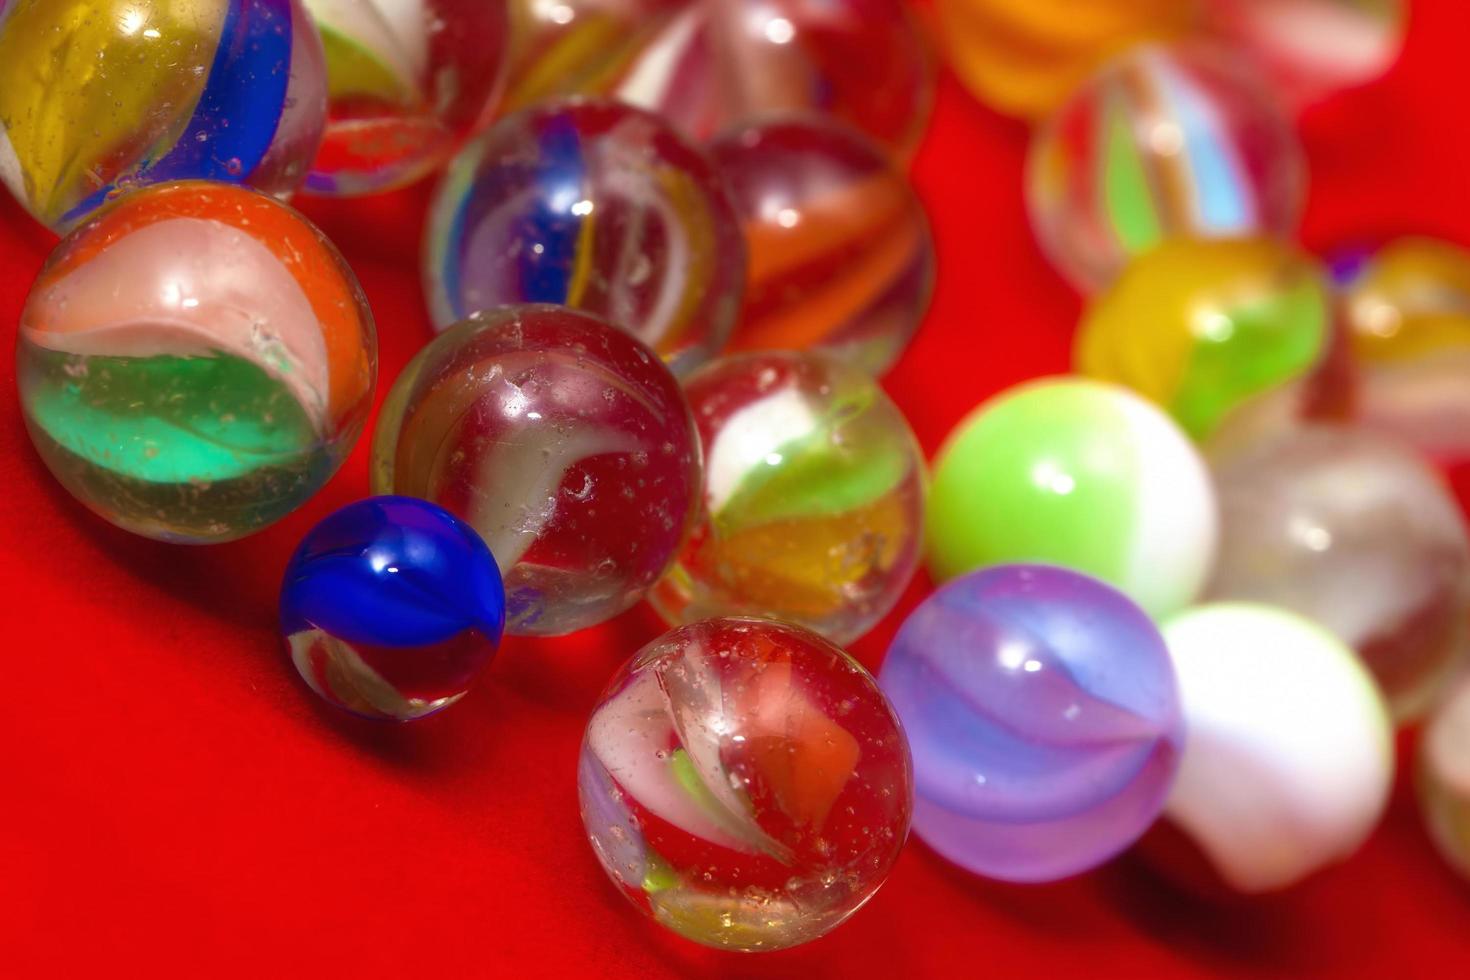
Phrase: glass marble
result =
(101, 96)
(1407, 313)
(1443, 778)
(1310, 48)
(1285, 709)
(1404, 370)
(1026, 57)
(195, 362)
(1166, 142)
(841, 256)
(390, 608)
(746, 784)
(564, 442)
(1044, 719)
(707, 65)
(1358, 534)
(1199, 326)
(813, 505)
(1409, 297)
(597, 206)
(409, 80)
(1077, 473)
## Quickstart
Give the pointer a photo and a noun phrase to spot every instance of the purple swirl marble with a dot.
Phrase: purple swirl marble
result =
(1044, 717)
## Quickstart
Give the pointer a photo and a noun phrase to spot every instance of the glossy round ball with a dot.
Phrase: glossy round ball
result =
(707, 65)
(1080, 474)
(101, 96)
(1289, 760)
(1311, 48)
(814, 498)
(390, 608)
(409, 80)
(195, 362)
(841, 257)
(746, 784)
(597, 206)
(1198, 327)
(1358, 534)
(1407, 312)
(1443, 778)
(1166, 142)
(1409, 298)
(1044, 720)
(1026, 58)
(564, 442)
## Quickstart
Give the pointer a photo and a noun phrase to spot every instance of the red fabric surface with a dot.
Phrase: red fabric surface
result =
(171, 798)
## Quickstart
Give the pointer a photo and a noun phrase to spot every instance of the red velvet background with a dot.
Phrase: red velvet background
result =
(171, 799)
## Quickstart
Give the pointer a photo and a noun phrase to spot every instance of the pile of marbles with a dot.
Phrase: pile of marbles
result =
(1311, 569)
(672, 248)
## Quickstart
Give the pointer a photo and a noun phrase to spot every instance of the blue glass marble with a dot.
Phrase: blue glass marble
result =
(1044, 717)
(597, 206)
(391, 607)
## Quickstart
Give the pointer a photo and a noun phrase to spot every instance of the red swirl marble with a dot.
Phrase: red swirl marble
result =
(564, 442)
(746, 784)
